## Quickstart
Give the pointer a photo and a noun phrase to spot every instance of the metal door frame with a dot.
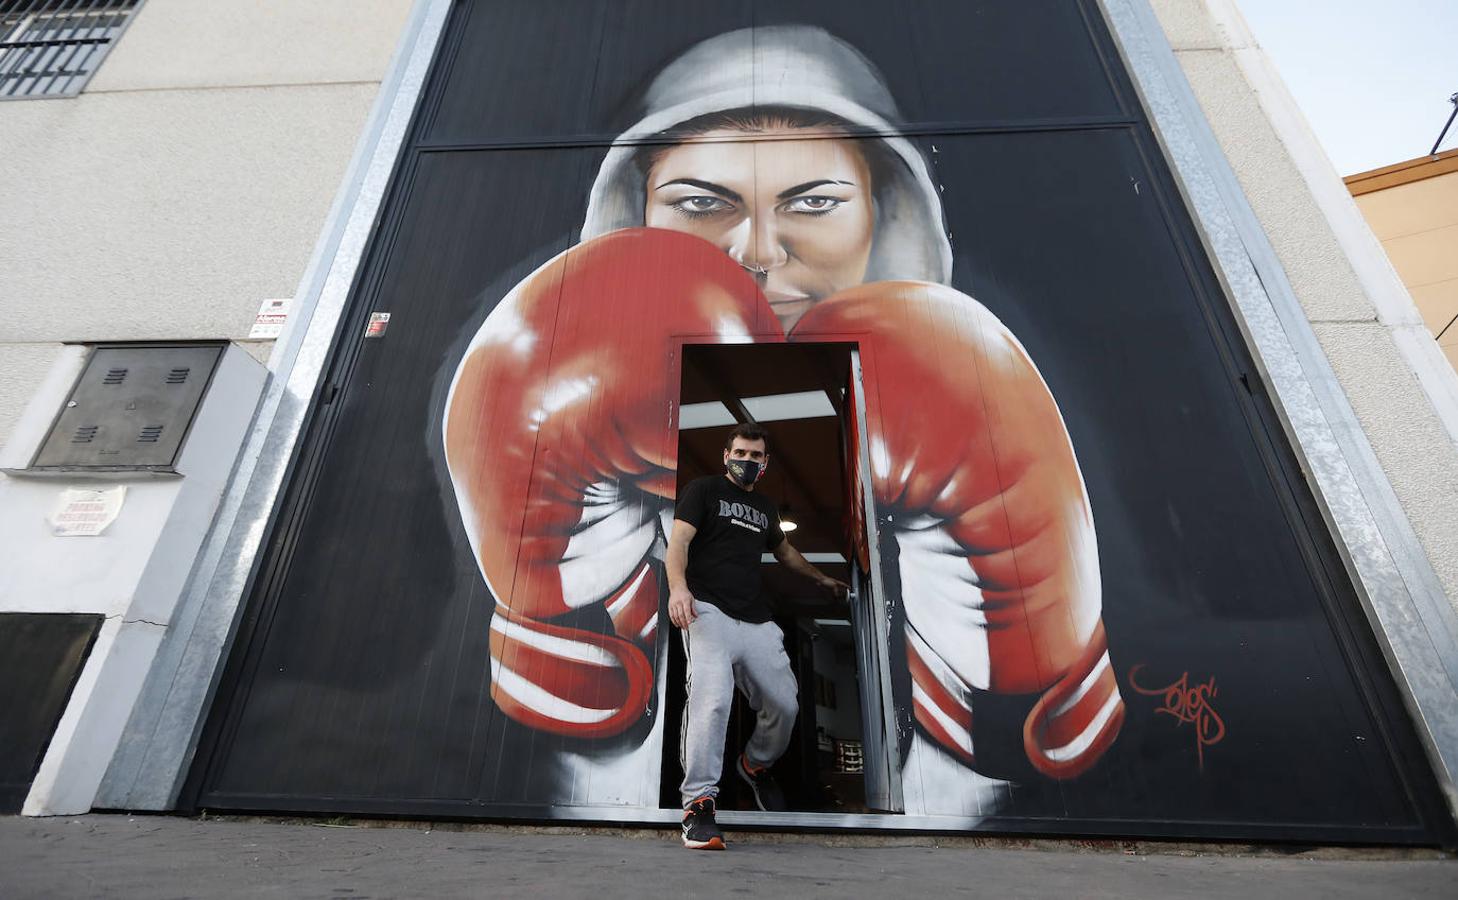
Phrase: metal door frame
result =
(880, 656)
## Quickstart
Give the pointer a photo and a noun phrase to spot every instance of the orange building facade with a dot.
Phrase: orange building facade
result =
(1412, 207)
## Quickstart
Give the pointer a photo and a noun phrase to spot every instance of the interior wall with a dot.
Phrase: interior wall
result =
(835, 659)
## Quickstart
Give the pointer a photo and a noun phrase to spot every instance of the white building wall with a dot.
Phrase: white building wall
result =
(1404, 395)
(132, 574)
(190, 181)
(187, 183)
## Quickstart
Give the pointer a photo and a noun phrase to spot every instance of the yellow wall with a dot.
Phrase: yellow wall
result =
(1413, 210)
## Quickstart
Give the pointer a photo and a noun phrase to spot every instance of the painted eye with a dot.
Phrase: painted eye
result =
(701, 205)
(813, 205)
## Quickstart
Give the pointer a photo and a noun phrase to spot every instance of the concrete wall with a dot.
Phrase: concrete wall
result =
(132, 574)
(188, 183)
(1403, 392)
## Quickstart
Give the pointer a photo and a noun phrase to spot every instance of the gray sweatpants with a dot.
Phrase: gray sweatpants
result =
(724, 652)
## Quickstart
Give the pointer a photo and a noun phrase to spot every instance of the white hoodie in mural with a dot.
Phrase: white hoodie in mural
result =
(799, 67)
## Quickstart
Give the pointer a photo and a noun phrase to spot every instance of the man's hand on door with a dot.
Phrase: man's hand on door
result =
(834, 586)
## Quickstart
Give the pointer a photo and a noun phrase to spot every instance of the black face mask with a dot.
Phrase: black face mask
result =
(745, 472)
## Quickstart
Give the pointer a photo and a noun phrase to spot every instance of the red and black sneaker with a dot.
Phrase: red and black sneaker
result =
(700, 831)
(767, 794)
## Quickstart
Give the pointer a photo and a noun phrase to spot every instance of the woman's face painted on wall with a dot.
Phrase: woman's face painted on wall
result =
(796, 214)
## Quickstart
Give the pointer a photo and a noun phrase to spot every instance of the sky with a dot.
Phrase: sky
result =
(1373, 78)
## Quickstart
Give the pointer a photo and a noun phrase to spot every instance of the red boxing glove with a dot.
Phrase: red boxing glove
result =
(561, 443)
(999, 566)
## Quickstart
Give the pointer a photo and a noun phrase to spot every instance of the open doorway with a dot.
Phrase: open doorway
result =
(805, 395)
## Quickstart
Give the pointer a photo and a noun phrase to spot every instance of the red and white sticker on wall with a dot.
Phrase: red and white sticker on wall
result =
(379, 321)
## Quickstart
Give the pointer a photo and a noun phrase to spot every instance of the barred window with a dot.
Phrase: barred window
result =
(51, 48)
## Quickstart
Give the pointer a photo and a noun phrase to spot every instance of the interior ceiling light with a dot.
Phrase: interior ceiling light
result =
(787, 524)
(769, 408)
(703, 415)
(800, 405)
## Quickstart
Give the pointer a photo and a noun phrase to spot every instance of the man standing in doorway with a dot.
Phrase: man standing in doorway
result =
(720, 529)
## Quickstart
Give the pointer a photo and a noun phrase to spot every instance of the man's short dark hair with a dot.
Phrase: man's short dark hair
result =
(750, 431)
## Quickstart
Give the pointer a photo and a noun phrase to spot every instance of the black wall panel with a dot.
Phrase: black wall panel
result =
(373, 681)
(41, 655)
(1255, 702)
(573, 72)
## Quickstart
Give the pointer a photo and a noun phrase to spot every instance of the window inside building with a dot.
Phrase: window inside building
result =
(51, 48)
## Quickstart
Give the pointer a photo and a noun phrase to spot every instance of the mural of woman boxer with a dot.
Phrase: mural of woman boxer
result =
(765, 195)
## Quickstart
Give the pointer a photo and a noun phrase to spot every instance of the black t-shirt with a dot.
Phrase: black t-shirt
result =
(735, 527)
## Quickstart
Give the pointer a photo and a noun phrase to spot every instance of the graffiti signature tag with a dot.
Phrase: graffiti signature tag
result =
(1188, 704)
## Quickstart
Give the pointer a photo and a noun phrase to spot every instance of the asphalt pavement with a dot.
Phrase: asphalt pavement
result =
(159, 857)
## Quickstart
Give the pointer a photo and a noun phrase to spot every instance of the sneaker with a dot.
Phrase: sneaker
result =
(700, 831)
(767, 794)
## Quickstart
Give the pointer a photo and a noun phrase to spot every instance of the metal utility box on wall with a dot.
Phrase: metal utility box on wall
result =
(130, 409)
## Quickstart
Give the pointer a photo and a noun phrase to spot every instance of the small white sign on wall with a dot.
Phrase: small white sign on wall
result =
(269, 323)
(83, 512)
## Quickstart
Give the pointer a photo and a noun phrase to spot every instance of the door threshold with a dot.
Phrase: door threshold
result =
(814, 820)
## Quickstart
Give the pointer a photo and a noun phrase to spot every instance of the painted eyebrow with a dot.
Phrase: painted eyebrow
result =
(704, 185)
(809, 185)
